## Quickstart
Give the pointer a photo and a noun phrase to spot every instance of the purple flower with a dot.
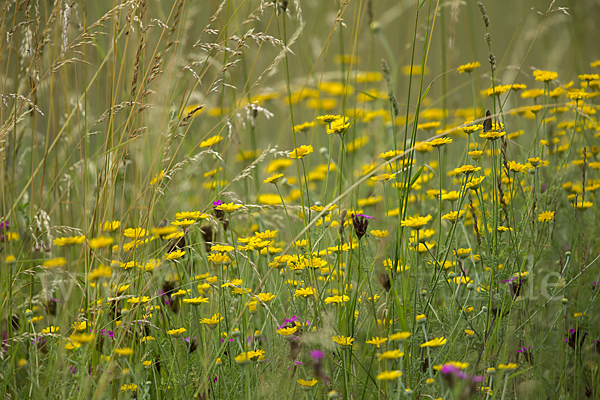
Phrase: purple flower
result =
(449, 369)
(288, 320)
(526, 352)
(317, 355)
(509, 280)
(574, 334)
(108, 333)
(360, 223)
(365, 216)
(4, 225)
(217, 203)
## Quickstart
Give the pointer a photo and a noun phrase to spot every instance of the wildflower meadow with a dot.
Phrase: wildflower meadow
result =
(299, 199)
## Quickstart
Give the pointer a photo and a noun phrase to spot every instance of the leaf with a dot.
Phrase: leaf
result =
(416, 176)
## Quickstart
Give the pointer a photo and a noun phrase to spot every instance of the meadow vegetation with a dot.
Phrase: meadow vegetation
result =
(247, 199)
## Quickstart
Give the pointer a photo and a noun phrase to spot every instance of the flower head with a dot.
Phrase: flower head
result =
(416, 222)
(389, 375)
(343, 340)
(435, 342)
(469, 67)
(546, 216)
(300, 152)
(377, 341)
(544, 76)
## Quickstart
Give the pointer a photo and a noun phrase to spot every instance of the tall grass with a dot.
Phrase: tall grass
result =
(248, 199)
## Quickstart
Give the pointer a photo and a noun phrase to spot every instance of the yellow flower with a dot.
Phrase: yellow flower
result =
(303, 127)
(328, 118)
(414, 70)
(401, 336)
(466, 169)
(183, 223)
(462, 253)
(336, 299)
(429, 125)
(300, 152)
(55, 262)
(460, 280)
(287, 331)
(471, 128)
(546, 216)
(228, 207)
(469, 332)
(109, 226)
(416, 222)
(544, 76)
(269, 199)
(305, 292)
(210, 141)
(219, 258)
(101, 271)
(196, 301)
(265, 297)
(457, 364)
(469, 67)
(273, 179)
(453, 215)
(389, 375)
(589, 77)
(496, 90)
(213, 321)
(369, 76)
(516, 167)
(157, 178)
(136, 300)
(379, 234)
(125, 351)
(577, 95)
(190, 215)
(343, 340)
(242, 359)
(390, 355)
(101, 242)
(176, 332)
(582, 205)
(135, 233)
(532, 93)
(338, 126)
(67, 241)
(388, 155)
(492, 135)
(175, 254)
(475, 183)
(383, 177)
(376, 341)
(51, 329)
(439, 142)
(508, 367)
(435, 342)
(82, 338)
(310, 383)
